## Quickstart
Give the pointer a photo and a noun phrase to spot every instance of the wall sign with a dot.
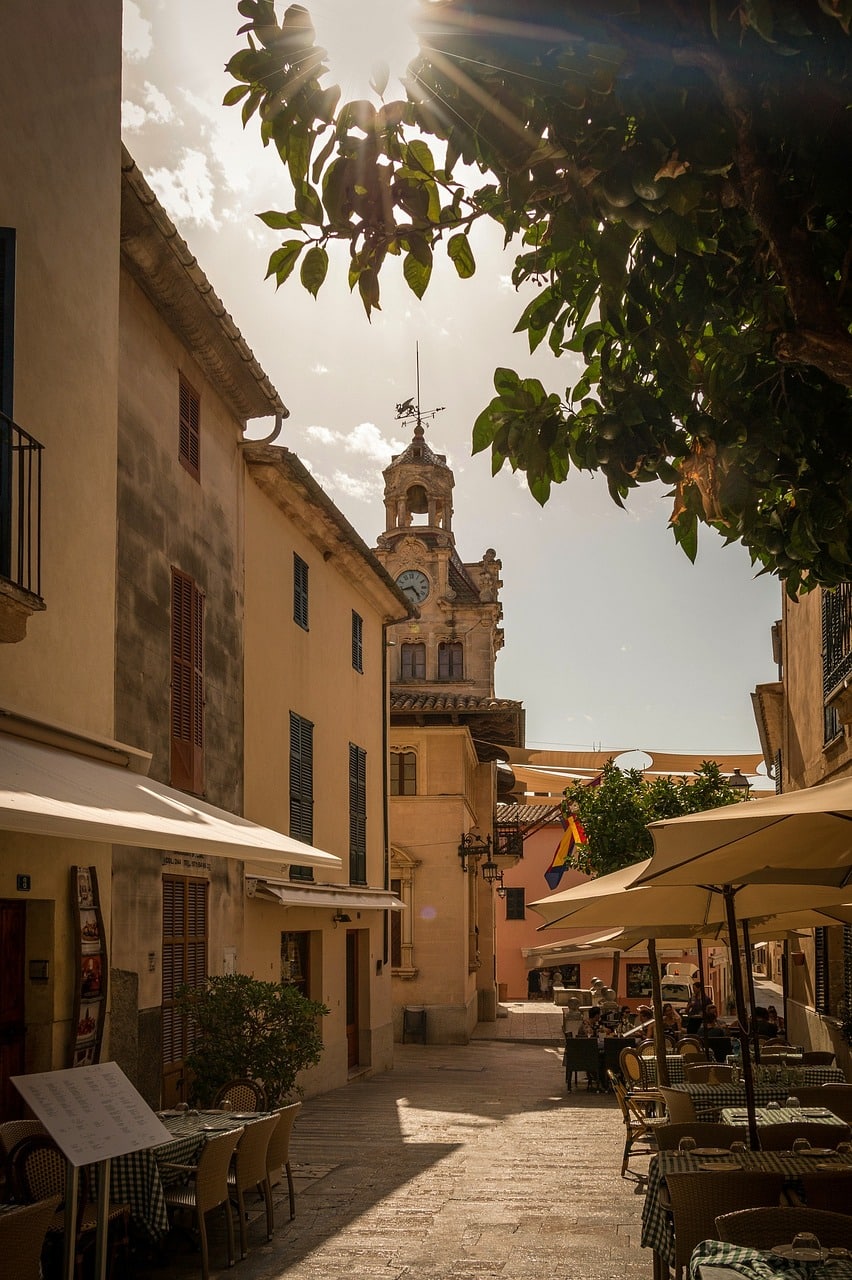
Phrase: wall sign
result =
(92, 968)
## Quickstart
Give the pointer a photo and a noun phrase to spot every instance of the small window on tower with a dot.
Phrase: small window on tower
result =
(413, 662)
(450, 661)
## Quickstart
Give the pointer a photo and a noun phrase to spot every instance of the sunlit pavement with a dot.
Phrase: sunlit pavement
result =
(466, 1162)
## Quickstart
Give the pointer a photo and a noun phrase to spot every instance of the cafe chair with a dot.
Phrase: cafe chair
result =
(630, 1064)
(679, 1106)
(707, 1133)
(766, 1228)
(696, 1199)
(207, 1189)
(707, 1073)
(22, 1235)
(836, 1097)
(241, 1095)
(249, 1172)
(647, 1048)
(11, 1133)
(639, 1126)
(582, 1054)
(828, 1189)
(278, 1155)
(780, 1137)
(691, 1047)
(39, 1171)
(818, 1058)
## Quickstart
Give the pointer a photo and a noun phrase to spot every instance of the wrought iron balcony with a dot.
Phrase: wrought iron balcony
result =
(20, 528)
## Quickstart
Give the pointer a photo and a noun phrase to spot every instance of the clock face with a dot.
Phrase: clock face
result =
(415, 585)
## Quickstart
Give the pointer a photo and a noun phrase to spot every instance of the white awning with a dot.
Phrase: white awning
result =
(48, 792)
(316, 895)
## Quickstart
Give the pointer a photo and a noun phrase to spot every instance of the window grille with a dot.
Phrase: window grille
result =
(515, 904)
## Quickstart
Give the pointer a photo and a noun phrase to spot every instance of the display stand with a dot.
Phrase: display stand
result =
(92, 1113)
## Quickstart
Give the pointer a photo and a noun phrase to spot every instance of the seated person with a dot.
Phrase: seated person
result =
(760, 1023)
(711, 1025)
(672, 1026)
(775, 1020)
(591, 1024)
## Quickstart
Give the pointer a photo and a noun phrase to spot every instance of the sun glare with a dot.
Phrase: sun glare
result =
(359, 34)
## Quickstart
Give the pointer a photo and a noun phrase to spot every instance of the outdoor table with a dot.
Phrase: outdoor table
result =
(784, 1115)
(137, 1178)
(716, 1260)
(648, 1069)
(657, 1228)
(710, 1099)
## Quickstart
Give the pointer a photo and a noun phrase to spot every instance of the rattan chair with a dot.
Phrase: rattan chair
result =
(241, 1095)
(11, 1133)
(780, 1137)
(691, 1047)
(836, 1097)
(706, 1133)
(278, 1155)
(679, 1106)
(765, 1228)
(39, 1170)
(817, 1058)
(639, 1126)
(697, 1198)
(707, 1073)
(206, 1190)
(631, 1073)
(250, 1172)
(22, 1235)
(647, 1048)
(828, 1189)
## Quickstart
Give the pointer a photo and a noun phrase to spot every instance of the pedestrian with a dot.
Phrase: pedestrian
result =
(544, 984)
(533, 988)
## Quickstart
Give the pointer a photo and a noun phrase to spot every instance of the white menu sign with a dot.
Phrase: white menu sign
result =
(93, 1112)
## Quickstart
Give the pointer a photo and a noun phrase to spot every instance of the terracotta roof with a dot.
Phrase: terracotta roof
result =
(527, 813)
(402, 700)
(419, 452)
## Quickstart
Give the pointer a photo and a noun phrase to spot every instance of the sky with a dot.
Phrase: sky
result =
(613, 639)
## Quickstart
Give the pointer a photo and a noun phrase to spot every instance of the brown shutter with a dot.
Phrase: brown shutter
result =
(189, 429)
(187, 722)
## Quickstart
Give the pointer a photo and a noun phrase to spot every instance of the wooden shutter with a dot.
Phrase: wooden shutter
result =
(189, 428)
(357, 641)
(357, 814)
(300, 591)
(301, 778)
(185, 930)
(450, 661)
(187, 723)
(821, 987)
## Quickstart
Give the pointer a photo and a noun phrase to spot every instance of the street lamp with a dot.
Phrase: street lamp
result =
(473, 846)
(740, 783)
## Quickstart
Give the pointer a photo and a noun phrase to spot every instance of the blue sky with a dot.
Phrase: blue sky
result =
(613, 639)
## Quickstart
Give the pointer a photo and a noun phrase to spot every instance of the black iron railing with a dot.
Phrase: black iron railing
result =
(20, 506)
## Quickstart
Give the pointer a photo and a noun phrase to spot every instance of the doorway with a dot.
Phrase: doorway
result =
(13, 939)
(352, 1028)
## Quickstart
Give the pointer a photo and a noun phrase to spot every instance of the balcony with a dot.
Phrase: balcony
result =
(20, 530)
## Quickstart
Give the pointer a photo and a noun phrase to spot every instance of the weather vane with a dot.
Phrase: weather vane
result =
(408, 410)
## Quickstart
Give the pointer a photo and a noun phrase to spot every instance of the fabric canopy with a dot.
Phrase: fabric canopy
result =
(802, 837)
(292, 895)
(48, 792)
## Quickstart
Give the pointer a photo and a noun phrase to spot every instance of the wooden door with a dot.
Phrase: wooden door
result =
(13, 936)
(352, 1032)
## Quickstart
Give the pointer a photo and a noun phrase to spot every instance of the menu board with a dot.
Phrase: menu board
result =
(91, 969)
(93, 1113)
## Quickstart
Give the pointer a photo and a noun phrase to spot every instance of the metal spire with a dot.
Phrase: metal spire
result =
(409, 411)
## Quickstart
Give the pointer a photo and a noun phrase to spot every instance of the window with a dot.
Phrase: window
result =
(450, 660)
(515, 904)
(836, 649)
(413, 666)
(295, 961)
(300, 591)
(301, 784)
(822, 991)
(403, 773)
(570, 974)
(184, 964)
(357, 641)
(189, 433)
(357, 815)
(187, 726)
(396, 928)
(7, 364)
(638, 977)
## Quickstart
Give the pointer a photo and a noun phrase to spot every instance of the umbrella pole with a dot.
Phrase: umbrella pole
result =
(659, 1031)
(750, 979)
(785, 979)
(700, 952)
(616, 965)
(739, 995)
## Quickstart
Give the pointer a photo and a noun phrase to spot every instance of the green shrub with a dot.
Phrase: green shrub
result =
(246, 1028)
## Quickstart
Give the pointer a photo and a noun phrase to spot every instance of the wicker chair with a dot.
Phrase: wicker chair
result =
(22, 1236)
(638, 1125)
(39, 1171)
(836, 1097)
(630, 1063)
(765, 1228)
(705, 1132)
(679, 1106)
(11, 1133)
(278, 1155)
(692, 1048)
(818, 1058)
(828, 1189)
(250, 1172)
(706, 1073)
(647, 1048)
(780, 1137)
(207, 1189)
(241, 1095)
(697, 1199)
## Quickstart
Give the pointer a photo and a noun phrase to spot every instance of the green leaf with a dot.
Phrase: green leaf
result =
(417, 273)
(283, 260)
(461, 255)
(505, 382)
(483, 428)
(379, 77)
(314, 269)
(308, 204)
(282, 221)
(235, 95)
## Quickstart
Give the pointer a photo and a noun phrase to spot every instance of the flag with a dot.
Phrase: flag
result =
(573, 834)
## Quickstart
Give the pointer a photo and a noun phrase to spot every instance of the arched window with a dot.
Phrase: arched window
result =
(413, 662)
(450, 660)
(403, 773)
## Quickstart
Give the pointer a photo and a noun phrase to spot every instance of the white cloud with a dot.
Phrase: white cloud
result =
(136, 38)
(186, 191)
(133, 117)
(354, 486)
(322, 434)
(155, 108)
(319, 368)
(366, 440)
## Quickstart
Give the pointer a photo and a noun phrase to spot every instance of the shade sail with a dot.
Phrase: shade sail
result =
(802, 837)
(48, 792)
(620, 899)
(291, 895)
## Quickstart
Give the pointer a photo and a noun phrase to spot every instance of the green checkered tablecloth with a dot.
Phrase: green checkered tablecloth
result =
(710, 1099)
(648, 1068)
(754, 1264)
(783, 1115)
(137, 1179)
(657, 1229)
